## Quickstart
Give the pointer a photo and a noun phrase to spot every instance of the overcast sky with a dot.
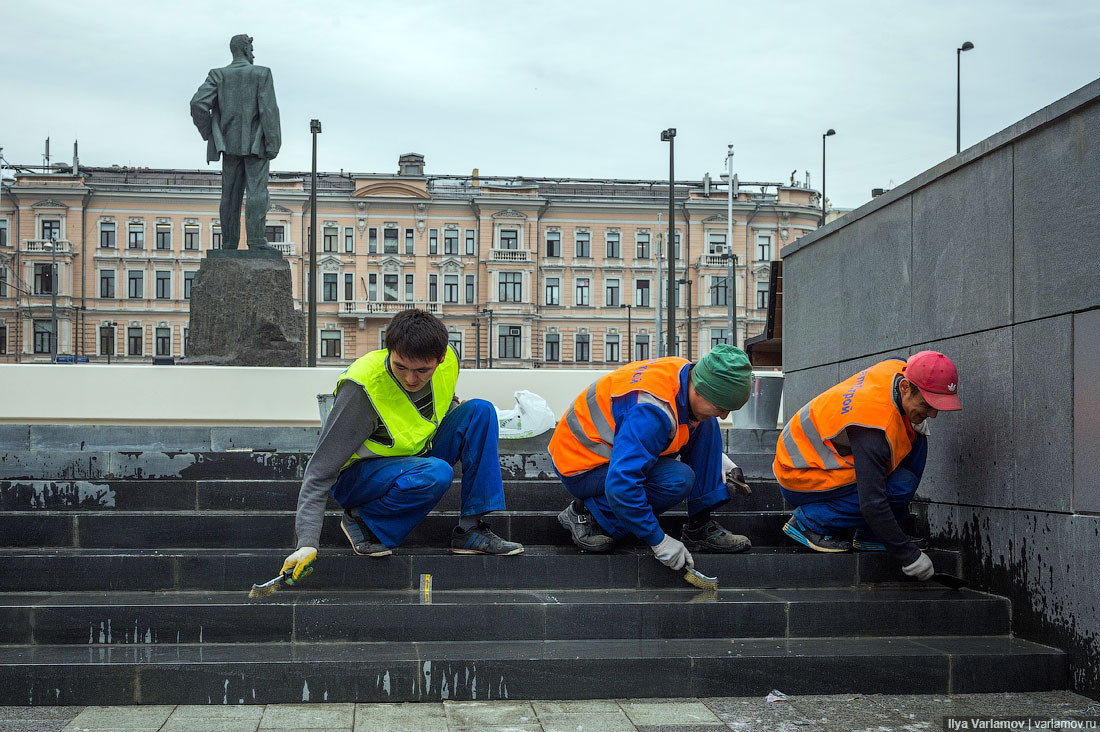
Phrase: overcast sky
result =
(564, 88)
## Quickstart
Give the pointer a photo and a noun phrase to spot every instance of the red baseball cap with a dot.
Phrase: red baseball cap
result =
(936, 377)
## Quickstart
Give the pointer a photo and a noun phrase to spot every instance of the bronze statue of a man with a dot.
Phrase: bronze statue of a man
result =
(236, 114)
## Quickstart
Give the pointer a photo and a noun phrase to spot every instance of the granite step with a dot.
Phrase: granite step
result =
(310, 615)
(266, 673)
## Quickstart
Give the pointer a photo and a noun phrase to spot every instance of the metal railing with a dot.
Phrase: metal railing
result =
(359, 307)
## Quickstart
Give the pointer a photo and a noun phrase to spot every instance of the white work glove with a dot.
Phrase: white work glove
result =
(672, 553)
(734, 477)
(300, 564)
(921, 569)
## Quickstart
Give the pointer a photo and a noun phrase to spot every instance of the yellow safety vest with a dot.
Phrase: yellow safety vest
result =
(410, 431)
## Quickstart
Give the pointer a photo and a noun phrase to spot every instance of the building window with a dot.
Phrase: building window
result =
(469, 289)
(191, 237)
(136, 237)
(107, 235)
(349, 240)
(762, 295)
(553, 291)
(106, 340)
(328, 287)
(135, 287)
(614, 246)
(164, 285)
(410, 290)
(43, 336)
(611, 347)
(719, 290)
(764, 247)
(676, 245)
(329, 235)
(450, 241)
(3, 281)
(188, 283)
(641, 348)
(450, 289)
(553, 347)
(553, 243)
(275, 233)
(510, 287)
(389, 241)
(372, 287)
(372, 240)
(718, 335)
(433, 241)
(582, 351)
(410, 238)
(582, 297)
(641, 240)
(716, 244)
(611, 293)
(43, 279)
(389, 288)
(471, 248)
(164, 341)
(641, 293)
(509, 239)
(433, 288)
(583, 243)
(330, 343)
(134, 341)
(3, 232)
(349, 287)
(215, 237)
(51, 229)
(454, 338)
(510, 336)
(164, 236)
(3, 340)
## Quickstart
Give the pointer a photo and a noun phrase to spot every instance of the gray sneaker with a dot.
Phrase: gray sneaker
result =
(586, 532)
(482, 540)
(713, 537)
(363, 541)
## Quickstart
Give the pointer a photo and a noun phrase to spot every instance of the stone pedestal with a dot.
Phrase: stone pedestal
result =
(242, 313)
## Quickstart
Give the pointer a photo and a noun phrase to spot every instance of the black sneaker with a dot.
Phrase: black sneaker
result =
(363, 541)
(713, 537)
(867, 542)
(482, 540)
(813, 540)
(585, 531)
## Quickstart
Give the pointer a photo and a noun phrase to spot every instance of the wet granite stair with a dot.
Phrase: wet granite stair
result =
(126, 556)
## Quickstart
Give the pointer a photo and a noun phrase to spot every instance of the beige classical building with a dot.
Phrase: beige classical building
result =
(525, 272)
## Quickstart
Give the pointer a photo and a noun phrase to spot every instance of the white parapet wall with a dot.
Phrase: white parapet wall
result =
(222, 395)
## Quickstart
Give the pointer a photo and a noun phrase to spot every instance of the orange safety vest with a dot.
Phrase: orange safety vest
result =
(805, 459)
(584, 436)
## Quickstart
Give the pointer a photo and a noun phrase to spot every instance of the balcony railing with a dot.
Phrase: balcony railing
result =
(285, 247)
(360, 307)
(45, 245)
(510, 255)
(713, 260)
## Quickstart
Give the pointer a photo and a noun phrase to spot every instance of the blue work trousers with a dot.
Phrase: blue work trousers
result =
(826, 511)
(394, 494)
(695, 477)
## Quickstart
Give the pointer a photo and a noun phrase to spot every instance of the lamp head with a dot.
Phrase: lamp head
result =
(315, 125)
(829, 133)
(966, 46)
(667, 135)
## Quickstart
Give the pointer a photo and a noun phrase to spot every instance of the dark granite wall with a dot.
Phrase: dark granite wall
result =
(992, 257)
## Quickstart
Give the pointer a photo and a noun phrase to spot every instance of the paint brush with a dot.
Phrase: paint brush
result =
(694, 577)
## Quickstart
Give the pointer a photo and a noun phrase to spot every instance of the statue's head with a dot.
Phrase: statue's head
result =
(240, 46)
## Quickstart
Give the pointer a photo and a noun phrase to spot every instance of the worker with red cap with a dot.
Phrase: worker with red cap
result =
(850, 461)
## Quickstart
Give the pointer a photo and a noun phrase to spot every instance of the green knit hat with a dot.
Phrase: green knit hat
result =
(723, 377)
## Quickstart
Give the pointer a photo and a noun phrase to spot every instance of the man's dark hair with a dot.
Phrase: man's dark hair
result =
(417, 335)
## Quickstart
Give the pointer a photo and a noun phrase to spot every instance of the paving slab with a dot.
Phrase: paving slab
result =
(489, 714)
(588, 722)
(223, 711)
(197, 724)
(39, 713)
(748, 714)
(845, 712)
(669, 712)
(408, 717)
(114, 718)
(584, 706)
(308, 716)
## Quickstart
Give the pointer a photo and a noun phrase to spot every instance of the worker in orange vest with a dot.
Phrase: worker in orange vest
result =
(852, 458)
(644, 438)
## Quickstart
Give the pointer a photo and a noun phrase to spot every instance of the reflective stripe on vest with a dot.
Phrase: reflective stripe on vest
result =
(805, 458)
(585, 435)
(409, 430)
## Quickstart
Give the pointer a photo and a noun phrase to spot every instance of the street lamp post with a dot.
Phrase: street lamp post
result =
(315, 129)
(966, 46)
(53, 299)
(669, 136)
(111, 344)
(489, 312)
(731, 287)
(827, 133)
(477, 342)
(629, 342)
(683, 281)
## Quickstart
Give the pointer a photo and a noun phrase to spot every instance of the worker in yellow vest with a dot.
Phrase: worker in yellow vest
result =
(387, 449)
(644, 438)
(851, 459)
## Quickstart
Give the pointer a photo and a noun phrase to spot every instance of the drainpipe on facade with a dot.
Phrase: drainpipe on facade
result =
(536, 349)
(302, 262)
(477, 271)
(748, 268)
(687, 266)
(83, 268)
(15, 278)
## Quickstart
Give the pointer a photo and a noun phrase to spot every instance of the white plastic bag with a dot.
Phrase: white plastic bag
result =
(532, 416)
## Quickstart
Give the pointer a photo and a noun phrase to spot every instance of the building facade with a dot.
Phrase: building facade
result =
(524, 272)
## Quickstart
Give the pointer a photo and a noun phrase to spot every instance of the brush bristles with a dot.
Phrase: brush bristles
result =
(258, 591)
(701, 581)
